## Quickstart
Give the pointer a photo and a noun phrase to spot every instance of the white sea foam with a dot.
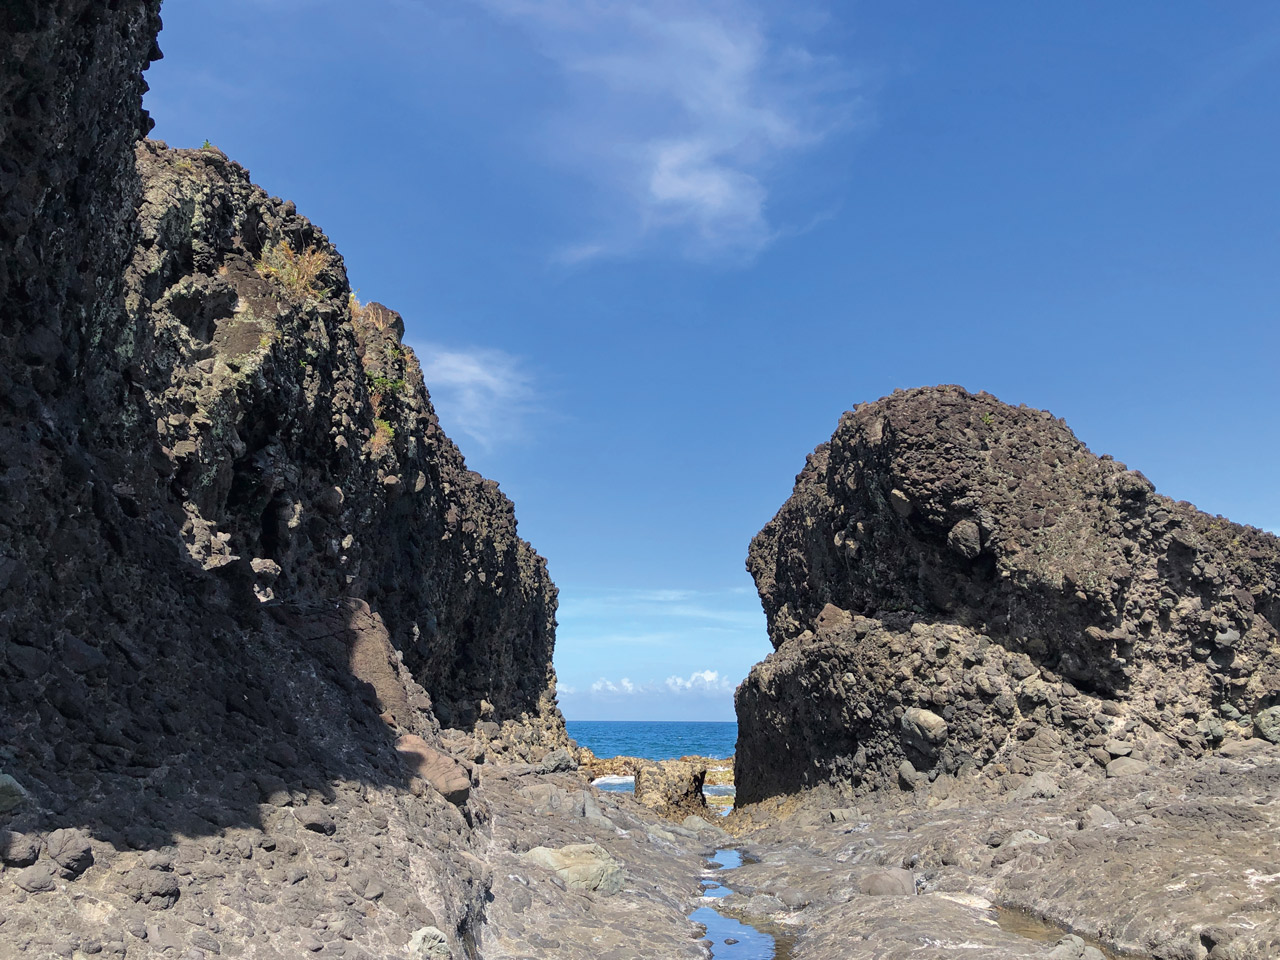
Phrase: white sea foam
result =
(614, 784)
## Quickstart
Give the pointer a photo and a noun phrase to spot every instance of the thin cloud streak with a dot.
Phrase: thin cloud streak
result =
(707, 609)
(483, 393)
(698, 683)
(679, 116)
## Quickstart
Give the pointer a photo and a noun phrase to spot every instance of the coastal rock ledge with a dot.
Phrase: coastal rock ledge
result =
(958, 586)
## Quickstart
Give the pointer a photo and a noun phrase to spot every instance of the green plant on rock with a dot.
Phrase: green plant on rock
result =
(298, 272)
(381, 388)
(383, 435)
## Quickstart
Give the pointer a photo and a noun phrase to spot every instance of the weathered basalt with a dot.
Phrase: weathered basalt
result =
(239, 559)
(958, 585)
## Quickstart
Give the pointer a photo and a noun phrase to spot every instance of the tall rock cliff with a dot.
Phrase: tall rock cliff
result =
(239, 560)
(958, 585)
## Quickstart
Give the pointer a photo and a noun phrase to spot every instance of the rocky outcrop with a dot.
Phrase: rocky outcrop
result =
(297, 451)
(957, 585)
(239, 559)
(672, 788)
(1170, 864)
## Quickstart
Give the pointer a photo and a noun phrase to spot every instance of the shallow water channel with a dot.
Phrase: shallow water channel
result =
(732, 939)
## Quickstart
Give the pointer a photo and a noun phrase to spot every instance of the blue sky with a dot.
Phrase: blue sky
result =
(649, 252)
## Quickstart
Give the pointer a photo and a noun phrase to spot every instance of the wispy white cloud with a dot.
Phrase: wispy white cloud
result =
(702, 681)
(485, 394)
(608, 686)
(698, 683)
(679, 115)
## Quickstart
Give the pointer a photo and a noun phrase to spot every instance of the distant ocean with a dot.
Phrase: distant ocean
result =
(655, 739)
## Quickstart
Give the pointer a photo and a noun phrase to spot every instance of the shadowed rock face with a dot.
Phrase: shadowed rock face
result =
(948, 553)
(238, 556)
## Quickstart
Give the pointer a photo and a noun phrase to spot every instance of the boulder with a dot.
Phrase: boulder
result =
(558, 761)
(1097, 816)
(19, 849)
(1125, 767)
(38, 878)
(315, 818)
(889, 882)
(429, 943)
(70, 849)
(923, 730)
(11, 793)
(673, 788)
(941, 587)
(1266, 724)
(449, 778)
(1072, 947)
(582, 866)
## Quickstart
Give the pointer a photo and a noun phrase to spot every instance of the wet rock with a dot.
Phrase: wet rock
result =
(582, 866)
(1072, 947)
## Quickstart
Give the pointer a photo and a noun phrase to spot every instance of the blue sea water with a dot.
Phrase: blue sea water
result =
(655, 739)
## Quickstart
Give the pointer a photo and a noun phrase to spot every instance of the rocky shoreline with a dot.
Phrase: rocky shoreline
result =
(1172, 862)
(276, 668)
(672, 788)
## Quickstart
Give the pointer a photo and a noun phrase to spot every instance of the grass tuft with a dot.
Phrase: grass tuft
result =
(299, 273)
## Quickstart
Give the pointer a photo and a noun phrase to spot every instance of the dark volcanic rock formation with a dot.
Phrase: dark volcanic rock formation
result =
(956, 583)
(238, 557)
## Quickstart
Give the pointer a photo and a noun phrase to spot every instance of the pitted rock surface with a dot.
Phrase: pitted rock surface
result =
(238, 556)
(949, 555)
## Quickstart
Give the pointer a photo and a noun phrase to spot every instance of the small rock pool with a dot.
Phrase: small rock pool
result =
(732, 939)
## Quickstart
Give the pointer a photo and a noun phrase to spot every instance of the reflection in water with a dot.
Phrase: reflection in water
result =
(748, 942)
(1033, 928)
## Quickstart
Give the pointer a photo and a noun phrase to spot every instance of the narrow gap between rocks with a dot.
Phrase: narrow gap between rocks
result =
(733, 939)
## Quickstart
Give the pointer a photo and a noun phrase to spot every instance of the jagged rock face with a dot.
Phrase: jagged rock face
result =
(70, 111)
(296, 443)
(947, 552)
(238, 557)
